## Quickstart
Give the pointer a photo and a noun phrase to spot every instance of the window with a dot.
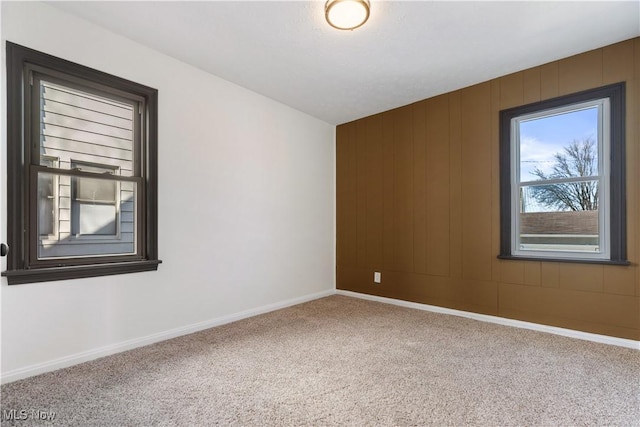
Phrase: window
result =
(562, 178)
(81, 151)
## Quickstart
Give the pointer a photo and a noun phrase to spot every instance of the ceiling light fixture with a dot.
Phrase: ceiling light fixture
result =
(346, 14)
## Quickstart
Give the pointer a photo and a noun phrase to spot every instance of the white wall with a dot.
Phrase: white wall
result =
(246, 209)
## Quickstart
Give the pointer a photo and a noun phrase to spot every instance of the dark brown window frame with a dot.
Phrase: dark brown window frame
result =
(617, 176)
(20, 230)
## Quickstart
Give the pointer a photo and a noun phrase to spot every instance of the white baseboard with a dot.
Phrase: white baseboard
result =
(604, 339)
(85, 356)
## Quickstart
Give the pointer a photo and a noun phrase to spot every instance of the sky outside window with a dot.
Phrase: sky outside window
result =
(542, 138)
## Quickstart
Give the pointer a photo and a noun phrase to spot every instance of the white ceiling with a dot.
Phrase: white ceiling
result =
(407, 51)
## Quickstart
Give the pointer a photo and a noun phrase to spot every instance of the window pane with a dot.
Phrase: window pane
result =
(90, 227)
(94, 190)
(94, 207)
(94, 219)
(85, 127)
(50, 162)
(559, 146)
(46, 204)
(545, 228)
(564, 196)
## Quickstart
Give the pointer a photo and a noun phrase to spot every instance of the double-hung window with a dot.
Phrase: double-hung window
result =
(562, 178)
(81, 171)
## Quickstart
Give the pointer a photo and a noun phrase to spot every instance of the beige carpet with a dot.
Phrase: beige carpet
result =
(345, 361)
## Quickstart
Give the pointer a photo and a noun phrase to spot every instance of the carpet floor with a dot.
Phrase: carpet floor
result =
(343, 361)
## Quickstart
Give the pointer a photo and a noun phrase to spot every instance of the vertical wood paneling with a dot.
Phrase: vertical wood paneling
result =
(550, 275)
(569, 309)
(420, 199)
(580, 72)
(512, 272)
(346, 193)
(476, 182)
(495, 179)
(388, 173)
(375, 195)
(549, 81)
(455, 182)
(342, 156)
(510, 94)
(403, 189)
(531, 85)
(619, 280)
(511, 90)
(352, 205)
(472, 295)
(362, 188)
(438, 189)
(532, 273)
(633, 167)
(581, 277)
(618, 62)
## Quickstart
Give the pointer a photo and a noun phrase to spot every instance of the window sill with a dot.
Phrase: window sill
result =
(569, 260)
(50, 274)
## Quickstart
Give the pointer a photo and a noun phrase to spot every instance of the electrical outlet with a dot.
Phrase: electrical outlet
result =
(377, 277)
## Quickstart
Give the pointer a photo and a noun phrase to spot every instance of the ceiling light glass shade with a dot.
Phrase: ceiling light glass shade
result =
(346, 14)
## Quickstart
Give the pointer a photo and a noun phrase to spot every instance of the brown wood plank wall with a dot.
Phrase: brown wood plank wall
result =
(418, 200)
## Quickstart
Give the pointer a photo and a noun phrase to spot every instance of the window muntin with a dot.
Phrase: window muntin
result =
(78, 136)
(593, 233)
(560, 196)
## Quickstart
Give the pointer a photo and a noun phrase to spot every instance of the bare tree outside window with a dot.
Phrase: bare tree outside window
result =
(579, 159)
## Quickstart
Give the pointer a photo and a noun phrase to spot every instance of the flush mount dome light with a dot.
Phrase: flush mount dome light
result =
(346, 14)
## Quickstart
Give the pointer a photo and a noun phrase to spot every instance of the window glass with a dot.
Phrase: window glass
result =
(85, 127)
(47, 200)
(92, 227)
(90, 133)
(94, 203)
(560, 173)
(547, 136)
